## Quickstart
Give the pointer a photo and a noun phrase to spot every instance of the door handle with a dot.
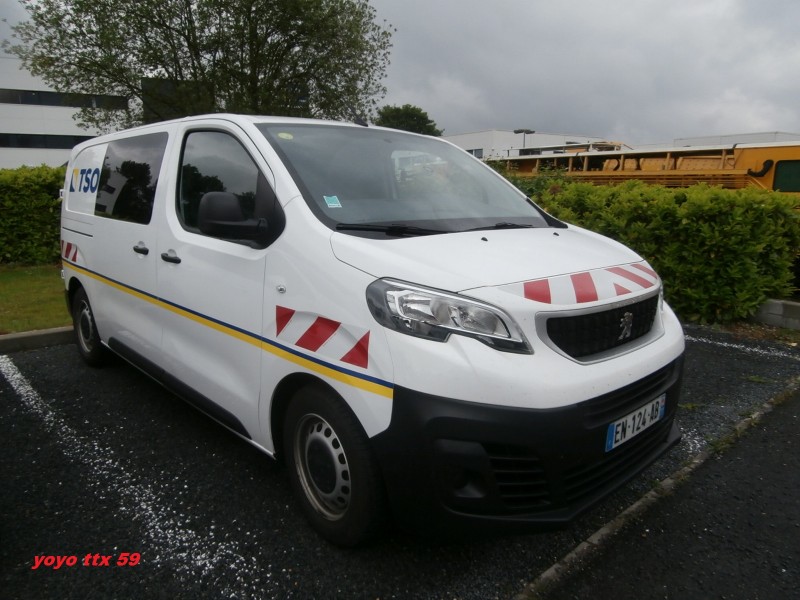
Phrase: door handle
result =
(140, 248)
(170, 257)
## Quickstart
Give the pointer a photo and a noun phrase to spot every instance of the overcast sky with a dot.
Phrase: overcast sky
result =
(637, 71)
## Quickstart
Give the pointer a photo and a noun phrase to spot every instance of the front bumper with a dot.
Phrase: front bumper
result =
(455, 467)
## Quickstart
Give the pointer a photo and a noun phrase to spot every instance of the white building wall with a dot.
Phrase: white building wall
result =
(32, 119)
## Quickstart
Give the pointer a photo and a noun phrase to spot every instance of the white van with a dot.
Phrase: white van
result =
(399, 324)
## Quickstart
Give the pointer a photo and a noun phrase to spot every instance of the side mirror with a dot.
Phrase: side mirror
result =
(220, 215)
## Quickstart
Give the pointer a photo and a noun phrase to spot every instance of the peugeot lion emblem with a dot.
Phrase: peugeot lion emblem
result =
(626, 324)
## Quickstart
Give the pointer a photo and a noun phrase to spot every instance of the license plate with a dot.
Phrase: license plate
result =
(635, 423)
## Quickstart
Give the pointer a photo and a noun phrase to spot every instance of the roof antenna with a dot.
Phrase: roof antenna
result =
(358, 119)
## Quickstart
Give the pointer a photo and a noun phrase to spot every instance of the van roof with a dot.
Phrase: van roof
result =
(233, 118)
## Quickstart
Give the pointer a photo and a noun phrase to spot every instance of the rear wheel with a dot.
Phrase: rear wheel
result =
(332, 469)
(86, 336)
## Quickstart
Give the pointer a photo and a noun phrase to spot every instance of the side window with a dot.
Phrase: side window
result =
(129, 177)
(214, 161)
(787, 176)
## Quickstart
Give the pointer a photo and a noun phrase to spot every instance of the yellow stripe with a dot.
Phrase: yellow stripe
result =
(363, 384)
(113, 284)
(253, 341)
(369, 386)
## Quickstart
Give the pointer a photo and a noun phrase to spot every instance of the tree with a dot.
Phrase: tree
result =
(312, 58)
(408, 118)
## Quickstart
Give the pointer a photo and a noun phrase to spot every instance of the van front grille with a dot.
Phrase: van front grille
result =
(592, 333)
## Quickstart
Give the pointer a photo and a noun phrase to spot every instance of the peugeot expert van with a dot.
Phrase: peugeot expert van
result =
(406, 330)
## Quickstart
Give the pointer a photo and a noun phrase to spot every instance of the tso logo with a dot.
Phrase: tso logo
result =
(84, 180)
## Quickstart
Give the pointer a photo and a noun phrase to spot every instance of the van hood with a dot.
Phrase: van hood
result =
(458, 262)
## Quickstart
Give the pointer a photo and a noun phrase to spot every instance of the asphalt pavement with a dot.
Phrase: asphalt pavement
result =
(112, 488)
(729, 531)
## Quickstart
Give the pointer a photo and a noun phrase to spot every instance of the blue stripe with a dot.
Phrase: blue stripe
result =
(316, 360)
(249, 334)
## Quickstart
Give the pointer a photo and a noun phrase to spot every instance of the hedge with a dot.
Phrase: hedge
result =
(30, 209)
(721, 253)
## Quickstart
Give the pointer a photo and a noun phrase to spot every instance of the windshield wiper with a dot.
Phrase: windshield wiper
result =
(394, 229)
(502, 225)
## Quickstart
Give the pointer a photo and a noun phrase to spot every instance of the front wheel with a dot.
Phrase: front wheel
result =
(332, 469)
(87, 338)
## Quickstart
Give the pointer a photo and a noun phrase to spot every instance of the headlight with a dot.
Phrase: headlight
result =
(434, 315)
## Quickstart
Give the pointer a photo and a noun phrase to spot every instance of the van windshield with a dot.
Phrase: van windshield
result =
(380, 183)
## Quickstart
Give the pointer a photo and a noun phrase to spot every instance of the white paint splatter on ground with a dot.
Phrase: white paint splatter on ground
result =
(693, 442)
(193, 556)
(745, 348)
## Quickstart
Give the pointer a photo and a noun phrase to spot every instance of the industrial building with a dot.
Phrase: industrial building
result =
(36, 123)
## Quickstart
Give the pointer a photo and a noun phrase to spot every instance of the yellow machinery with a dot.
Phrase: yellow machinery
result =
(771, 166)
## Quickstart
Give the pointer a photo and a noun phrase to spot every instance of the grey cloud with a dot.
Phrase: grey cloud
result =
(643, 71)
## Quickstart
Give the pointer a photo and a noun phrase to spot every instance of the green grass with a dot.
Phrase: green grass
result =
(757, 379)
(31, 298)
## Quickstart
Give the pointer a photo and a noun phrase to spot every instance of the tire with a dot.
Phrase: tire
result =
(332, 470)
(87, 337)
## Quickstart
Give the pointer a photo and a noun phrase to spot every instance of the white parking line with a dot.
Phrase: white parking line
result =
(191, 554)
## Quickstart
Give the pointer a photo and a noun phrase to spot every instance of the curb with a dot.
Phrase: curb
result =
(583, 552)
(595, 542)
(779, 313)
(31, 340)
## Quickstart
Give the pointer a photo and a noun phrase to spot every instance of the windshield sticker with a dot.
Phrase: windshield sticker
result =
(285, 136)
(332, 201)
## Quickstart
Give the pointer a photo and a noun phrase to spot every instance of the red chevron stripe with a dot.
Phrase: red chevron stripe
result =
(70, 252)
(631, 276)
(644, 268)
(358, 354)
(621, 291)
(538, 291)
(282, 317)
(584, 287)
(319, 333)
